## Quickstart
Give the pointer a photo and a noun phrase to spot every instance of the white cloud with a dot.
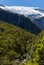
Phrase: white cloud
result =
(23, 10)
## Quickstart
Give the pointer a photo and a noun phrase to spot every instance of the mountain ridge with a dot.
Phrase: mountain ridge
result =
(35, 14)
(19, 20)
(23, 10)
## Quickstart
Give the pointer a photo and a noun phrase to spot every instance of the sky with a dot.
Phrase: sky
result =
(29, 3)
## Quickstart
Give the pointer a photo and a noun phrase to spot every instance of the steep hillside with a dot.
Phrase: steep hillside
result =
(37, 51)
(14, 43)
(19, 47)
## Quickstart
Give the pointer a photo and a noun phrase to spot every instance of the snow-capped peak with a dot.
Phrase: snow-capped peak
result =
(24, 10)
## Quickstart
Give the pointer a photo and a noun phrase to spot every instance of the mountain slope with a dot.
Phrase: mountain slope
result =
(14, 43)
(18, 44)
(19, 20)
(40, 22)
(37, 51)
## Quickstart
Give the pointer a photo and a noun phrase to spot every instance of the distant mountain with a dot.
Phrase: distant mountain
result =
(38, 19)
(33, 13)
(18, 20)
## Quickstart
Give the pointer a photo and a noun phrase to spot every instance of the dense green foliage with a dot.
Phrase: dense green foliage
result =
(16, 42)
(37, 52)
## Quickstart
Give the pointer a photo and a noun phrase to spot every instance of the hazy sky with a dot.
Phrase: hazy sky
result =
(32, 3)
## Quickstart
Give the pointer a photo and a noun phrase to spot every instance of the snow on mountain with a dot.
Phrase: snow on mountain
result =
(27, 11)
(35, 14)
